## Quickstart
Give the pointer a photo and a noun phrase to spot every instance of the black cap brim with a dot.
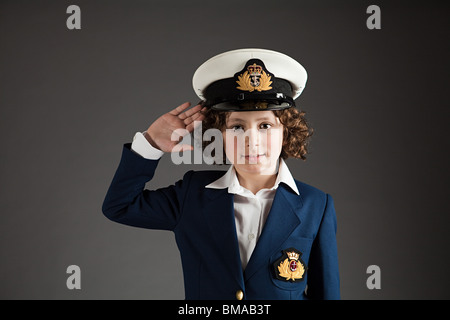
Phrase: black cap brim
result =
(250, 104)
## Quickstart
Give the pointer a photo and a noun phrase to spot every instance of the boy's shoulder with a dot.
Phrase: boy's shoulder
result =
(308, 191)
(204, 177)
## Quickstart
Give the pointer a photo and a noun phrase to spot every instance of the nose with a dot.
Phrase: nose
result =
(253, 138)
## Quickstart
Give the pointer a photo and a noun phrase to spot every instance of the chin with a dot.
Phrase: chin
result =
(259, 166)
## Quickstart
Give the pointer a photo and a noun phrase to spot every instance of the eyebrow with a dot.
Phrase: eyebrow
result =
(242, 120)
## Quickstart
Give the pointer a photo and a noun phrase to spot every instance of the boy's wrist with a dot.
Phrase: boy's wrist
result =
(149, 139)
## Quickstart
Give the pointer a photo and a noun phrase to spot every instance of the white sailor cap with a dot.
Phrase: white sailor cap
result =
(249, 79)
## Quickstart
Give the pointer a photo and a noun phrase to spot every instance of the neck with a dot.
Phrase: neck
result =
(257, 181)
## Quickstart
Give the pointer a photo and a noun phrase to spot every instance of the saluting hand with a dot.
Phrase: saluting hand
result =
(163, 133)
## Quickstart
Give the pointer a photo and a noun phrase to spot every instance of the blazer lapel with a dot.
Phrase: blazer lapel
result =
(219, 213)
(281, 221)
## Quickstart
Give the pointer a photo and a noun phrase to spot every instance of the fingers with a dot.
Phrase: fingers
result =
(178, 110)
(190, 112)
(193, 117)
(194, 121)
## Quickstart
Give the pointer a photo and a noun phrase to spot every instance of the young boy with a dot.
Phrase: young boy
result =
(252, 232)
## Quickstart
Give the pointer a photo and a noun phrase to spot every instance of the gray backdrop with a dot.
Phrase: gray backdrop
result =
(377, 99)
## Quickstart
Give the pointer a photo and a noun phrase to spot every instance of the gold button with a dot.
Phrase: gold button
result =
(239, 295)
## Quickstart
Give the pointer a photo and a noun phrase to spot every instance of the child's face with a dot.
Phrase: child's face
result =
(253, 141)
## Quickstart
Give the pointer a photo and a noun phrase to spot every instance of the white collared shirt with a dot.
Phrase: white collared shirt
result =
(250, 210)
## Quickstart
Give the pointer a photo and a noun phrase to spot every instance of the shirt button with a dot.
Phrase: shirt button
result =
(251, 236)
(239, 295)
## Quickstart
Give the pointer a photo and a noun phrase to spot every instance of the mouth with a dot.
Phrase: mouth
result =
(254, 158)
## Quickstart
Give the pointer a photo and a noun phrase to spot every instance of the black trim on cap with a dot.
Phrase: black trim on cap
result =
(243, 92)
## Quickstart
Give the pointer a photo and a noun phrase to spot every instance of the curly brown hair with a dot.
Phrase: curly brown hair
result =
(296, 130)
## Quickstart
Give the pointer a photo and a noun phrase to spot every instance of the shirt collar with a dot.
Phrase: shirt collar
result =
(229, 180)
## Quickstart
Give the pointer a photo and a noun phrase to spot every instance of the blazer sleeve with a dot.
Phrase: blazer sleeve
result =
(127, 201)
(323, 278)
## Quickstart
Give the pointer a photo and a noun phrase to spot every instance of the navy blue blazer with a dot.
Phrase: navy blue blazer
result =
(203, 222)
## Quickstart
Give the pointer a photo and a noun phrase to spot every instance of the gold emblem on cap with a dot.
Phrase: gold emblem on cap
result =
(291, 268)
(255, 78)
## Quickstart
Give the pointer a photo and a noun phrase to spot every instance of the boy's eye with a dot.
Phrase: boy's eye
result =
(237, 128)
(265, 126)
